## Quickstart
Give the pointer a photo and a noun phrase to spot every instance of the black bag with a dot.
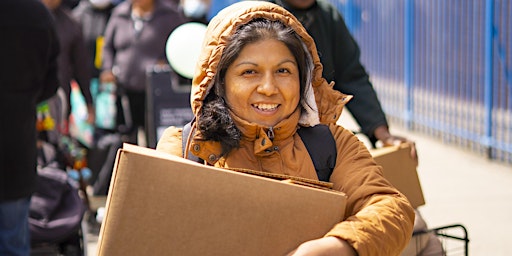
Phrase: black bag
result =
(56, 208)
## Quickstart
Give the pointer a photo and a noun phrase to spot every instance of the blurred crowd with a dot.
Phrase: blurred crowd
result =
(114, 42)
(61, 60)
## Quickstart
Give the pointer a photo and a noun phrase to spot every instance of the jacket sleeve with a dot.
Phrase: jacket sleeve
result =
(51, 81)
(81, 67)
(171, 142)
(378, 218)
(108, 47)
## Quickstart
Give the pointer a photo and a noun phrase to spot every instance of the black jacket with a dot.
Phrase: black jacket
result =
(93, 21)
(339, 54)
(73, 59)
(28, 75)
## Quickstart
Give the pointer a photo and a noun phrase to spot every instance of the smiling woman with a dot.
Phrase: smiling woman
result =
(258, 81)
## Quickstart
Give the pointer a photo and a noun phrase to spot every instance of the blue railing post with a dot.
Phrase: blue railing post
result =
(348, 15)
(408, 61)
(488, 75)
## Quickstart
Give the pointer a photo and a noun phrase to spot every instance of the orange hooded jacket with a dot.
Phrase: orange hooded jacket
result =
(378, 218)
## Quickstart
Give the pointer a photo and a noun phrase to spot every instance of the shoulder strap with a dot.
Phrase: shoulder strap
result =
(318, 141)
(184, 136)
(321, 147)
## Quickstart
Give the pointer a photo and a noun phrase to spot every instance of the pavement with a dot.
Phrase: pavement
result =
(459, 186)
(462, 187)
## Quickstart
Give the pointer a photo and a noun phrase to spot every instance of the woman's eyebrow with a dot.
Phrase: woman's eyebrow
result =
(255, 64)
(246, 63)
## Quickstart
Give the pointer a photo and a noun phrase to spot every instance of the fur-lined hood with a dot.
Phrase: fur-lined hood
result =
(327, 104)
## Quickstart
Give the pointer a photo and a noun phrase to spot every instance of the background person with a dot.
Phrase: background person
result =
(135, 39)
(256, 83)
(73, 58)
(340, 56)
(28, 75)
(93, 15)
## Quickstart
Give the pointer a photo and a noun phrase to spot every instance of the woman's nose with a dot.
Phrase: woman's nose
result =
(268, 85)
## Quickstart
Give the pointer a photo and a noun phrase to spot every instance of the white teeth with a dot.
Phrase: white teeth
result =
(266, 107)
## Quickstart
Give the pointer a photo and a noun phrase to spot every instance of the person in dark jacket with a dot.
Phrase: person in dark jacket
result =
(135, 40)
(339, 54)
(73, 57)
(93, 16)
(28, 75)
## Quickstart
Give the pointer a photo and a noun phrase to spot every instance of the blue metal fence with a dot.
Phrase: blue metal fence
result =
(440, 67)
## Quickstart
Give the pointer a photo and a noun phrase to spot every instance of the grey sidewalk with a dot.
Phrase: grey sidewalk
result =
(460, 187)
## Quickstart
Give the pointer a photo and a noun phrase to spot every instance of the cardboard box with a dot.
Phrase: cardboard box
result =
(160, 204)
(400, 170)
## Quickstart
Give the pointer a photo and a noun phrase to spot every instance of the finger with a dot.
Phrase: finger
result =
(414, 154)
(394, 141)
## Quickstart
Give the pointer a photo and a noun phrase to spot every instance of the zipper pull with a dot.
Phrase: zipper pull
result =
(270, 133)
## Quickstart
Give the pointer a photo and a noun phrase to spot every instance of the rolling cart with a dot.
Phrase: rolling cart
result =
(454, 239)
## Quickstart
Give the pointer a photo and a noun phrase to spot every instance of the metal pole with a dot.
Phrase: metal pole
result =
(408, 61)
(349, 17)
(488, 75)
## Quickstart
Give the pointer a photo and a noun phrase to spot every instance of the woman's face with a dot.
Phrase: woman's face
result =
(262, 85)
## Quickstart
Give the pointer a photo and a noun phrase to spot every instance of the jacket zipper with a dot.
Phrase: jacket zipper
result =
(270, 133)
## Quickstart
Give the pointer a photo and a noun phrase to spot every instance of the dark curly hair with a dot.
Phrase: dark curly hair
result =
(215, 122)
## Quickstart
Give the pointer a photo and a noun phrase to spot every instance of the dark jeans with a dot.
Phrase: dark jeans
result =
(14, 230)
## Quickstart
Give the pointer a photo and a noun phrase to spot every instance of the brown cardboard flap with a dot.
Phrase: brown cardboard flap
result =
(159, 204)
(400, 169)
(288, 178)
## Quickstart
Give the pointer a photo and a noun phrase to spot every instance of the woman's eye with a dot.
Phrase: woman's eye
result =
(248, 72)
(283, 70)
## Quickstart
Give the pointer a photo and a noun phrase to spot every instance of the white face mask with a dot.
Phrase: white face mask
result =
(194, 8)
(100, 4)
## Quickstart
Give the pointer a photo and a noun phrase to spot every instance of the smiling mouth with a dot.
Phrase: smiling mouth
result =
(266, 107)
